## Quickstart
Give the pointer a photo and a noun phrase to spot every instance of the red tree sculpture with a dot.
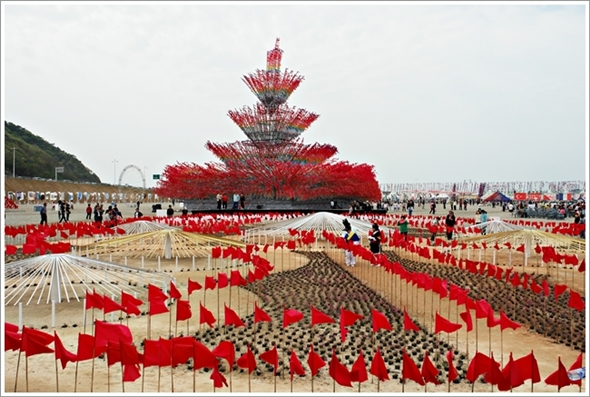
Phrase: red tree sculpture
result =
(274, 163)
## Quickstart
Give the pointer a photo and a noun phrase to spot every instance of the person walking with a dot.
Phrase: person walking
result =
(61, 211)
(484, 219)
(450, 221)
(351, 238)
(242, 201)
(236, 201)
(403, 227)
(410, 207)
(43, 213)
(432, 207)
(224, 201)
(170, 211)
(89, 211)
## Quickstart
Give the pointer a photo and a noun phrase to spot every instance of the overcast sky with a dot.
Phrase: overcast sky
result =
(424, 92)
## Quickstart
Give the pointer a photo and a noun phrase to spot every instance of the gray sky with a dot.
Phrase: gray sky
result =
(424, 92)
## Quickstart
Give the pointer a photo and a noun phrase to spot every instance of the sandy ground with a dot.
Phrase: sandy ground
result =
(69, 322)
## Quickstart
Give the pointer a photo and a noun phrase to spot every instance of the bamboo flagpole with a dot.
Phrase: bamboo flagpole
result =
(56, 377)
(17, 366)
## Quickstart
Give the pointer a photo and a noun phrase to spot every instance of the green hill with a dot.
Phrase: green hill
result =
(35, 157)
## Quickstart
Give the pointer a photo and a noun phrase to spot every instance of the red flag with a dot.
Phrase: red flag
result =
(575, 301)
(558, 378)
(236, 278)
(260, 315)
(271, 357)
(291, 316)
(481, 308)
(232, 318)
(35, 342)
(428, 371)
(577, 365)
(203, 357)
(559, 289)
(453, 374)
(380, 321)
(210, 283)
(12, 340)
(156, 353)
(130, 304)
(216, 252)
(222, 280)
(87, 348)
(318, 317)
(61, 353)
(441, 324)
(225, 350)
(408, 323)
(520, 248)
(110, 305)
(131, 373)
(247, 360)
(295, 366)
(528, 368)
(174, 292)
(512, 374)
(480, 364)
(410, 369)
(347, 318)
(505, 322)
(129, 354)
(494, 375)
(193, 286)
(93, 300)
(156, 300)
(378, 367)
(183, 310)
(218, 378)
(315, 362)
(358, 372)
(491, 321)
(105, 332)
(205, 316)
(113, 350)
(466, 316)
(339, 372)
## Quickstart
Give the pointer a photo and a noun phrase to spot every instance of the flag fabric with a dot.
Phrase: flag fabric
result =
(205, 316)
(491, 321)
(218, 378)
(575, 301)
(35, 342)
(93, 300)
(105, 332)
(559, 377)
(130, 303)
(247, 360)
(466, 317)
(378, 367)
(232, 318)
(441, 324)
(291, 316)
(156, 353)
(479, 364)
(236, 278)
(358, 372)
(61, 353)
(203, 357)
(260, 315)
(505, 322)
(225, 350)
(380, 321)
(410, 369)
(482, 307)
(193, 286)
(12, 341)
(318, 317)
(271, 357)
(428, 371)
(174, 292)
(181, 349)
(511, 374)
(452, 372)
(183, 310)
(157, 300)
(576, 365)
(87, 348)
(295, 366)
(315, 362)
(210, 283)
(408, 323)
(347, 318)
(528, 368)
(494, 375)
(222, 280)
(338, 371)
(109, 305)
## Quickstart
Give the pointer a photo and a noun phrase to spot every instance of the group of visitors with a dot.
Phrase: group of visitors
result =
(239, 201)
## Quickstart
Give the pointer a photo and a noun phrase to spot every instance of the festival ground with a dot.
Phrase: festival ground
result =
(39, 374)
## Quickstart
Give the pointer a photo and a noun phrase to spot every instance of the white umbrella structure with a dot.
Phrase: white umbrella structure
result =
(65, 277)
